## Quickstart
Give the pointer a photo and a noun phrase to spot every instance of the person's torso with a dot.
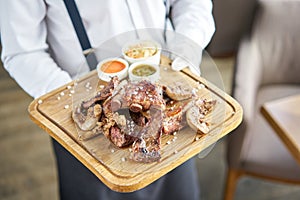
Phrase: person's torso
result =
(103, 20)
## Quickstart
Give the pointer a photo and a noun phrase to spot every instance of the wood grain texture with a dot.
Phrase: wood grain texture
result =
(284, 117)
(106, 161)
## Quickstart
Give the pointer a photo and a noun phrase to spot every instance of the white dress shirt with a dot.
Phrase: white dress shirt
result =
(40, 47)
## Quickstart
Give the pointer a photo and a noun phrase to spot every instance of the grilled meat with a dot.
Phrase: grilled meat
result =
(137, 114)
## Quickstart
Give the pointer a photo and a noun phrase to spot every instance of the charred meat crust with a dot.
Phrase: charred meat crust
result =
(135, 113)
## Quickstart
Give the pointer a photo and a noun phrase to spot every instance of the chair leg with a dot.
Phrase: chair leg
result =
(232, 177)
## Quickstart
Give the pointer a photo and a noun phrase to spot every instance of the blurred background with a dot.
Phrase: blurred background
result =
(27, 165)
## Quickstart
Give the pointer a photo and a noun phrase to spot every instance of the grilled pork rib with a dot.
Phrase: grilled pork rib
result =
(135, 113)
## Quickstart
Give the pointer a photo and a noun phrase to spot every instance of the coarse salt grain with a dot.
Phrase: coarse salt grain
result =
(123, 159)
(175, 152)
(40, 101)
(58, 98)
(174, 139)
(169, 142)
(112, 150)
(67, 106)
(69, 87)
(201, 86)
(62, 94)
(194, 91)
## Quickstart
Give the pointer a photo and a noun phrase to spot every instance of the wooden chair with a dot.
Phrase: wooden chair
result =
(267, 67)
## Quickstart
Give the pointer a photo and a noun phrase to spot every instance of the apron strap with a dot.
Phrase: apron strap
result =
(82, 36)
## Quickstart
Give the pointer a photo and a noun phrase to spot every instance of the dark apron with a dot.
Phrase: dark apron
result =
(76, 182)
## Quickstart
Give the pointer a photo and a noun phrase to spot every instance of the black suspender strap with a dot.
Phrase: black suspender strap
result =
(81, 33)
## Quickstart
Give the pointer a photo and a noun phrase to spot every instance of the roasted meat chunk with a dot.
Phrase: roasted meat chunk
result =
(147, 147)
(139, 96)
(87, 118)
(178, 91)
(138, 114)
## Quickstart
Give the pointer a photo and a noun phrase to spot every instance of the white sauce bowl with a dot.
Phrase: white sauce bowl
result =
(143, 51)
(106, 76)
(140, 66)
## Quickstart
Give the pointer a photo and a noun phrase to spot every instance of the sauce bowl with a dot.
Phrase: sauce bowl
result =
(111, 67)
(144, 71)
(142, 50)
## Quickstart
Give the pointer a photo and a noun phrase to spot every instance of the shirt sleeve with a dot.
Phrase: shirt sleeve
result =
(194, 19)
(193, 23)
(24, 48)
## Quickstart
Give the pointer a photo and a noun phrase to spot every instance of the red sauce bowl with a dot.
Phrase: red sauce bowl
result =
(111, 67)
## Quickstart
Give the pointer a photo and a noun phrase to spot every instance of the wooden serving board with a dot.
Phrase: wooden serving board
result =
(112, 165)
